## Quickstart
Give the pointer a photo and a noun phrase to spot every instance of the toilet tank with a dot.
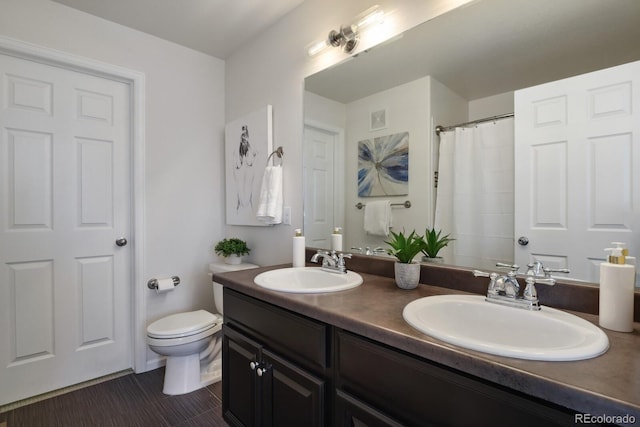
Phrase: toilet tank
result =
(222, 268)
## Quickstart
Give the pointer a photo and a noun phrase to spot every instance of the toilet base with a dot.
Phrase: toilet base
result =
(188, 373)
(182, 374)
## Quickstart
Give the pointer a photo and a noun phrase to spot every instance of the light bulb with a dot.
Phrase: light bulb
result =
(317, 47)
(373, 15)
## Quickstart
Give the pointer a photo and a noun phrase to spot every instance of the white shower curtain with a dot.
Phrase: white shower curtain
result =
(474, 199)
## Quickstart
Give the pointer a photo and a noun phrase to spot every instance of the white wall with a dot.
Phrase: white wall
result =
(325, 111)
(184, 139)
(271, 70)
(490, 106)
(407, 111)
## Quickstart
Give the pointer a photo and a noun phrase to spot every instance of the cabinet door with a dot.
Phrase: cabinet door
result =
(290, 396)
(240, 399)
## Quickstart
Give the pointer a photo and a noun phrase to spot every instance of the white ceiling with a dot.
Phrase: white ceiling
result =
(215, 27)
(480, 49)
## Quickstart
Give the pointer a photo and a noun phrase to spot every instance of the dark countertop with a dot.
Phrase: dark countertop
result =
(606, 385)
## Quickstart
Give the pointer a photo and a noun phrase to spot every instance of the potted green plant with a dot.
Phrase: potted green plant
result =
(405, 248)
(232, 250)
(433, 243)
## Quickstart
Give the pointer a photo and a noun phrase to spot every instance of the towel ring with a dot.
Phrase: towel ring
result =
(278, 152)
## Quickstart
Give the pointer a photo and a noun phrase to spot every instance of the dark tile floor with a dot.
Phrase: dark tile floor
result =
(131, 400)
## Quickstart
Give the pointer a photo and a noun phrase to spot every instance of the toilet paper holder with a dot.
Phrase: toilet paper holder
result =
(153, 283)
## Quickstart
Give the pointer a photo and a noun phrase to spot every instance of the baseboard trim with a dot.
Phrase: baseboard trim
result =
(13, 405)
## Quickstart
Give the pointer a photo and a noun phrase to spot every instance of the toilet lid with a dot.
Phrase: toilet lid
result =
(182, 324)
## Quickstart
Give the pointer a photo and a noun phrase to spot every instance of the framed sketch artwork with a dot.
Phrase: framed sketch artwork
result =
(248, 143)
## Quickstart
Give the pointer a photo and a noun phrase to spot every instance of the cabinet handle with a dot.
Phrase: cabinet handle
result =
(260, 371)
(253, 366)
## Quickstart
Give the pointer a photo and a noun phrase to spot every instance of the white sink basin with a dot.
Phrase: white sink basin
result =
(307, 280)
(471, 322)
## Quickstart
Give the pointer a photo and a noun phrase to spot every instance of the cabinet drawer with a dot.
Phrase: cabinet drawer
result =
(300, 339)
(417, 392)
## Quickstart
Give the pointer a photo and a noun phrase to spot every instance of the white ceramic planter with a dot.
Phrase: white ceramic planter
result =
(407, 275)
(233, 259)
(436, 260)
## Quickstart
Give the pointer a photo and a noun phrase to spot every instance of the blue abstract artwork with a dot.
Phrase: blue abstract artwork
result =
(383, 166)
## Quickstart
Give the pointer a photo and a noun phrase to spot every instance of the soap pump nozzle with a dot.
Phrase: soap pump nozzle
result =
(615, 255)
(622, 246)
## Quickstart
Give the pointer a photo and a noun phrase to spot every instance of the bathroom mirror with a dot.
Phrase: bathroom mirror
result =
(483, 52)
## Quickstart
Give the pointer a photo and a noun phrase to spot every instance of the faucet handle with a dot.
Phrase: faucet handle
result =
(495, 285)
(548, 271)
(530, 292)
(534, 269)
(479, 273)
(512, 267)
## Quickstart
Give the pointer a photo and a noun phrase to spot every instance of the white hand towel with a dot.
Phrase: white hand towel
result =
(270, 204)
(377, 218)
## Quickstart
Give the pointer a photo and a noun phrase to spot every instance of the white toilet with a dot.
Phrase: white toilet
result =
(192, 342)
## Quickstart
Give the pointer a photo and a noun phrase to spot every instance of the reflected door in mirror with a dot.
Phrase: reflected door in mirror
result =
(578, 144)
(320, 147)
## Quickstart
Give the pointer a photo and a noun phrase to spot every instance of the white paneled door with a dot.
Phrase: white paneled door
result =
(577, 185)
(319, 187)
(65, 297)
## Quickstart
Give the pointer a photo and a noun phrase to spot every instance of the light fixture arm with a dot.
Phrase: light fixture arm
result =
(348, 38)
(349, 35)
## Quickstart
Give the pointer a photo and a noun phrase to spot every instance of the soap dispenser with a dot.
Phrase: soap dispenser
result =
(298, 249)
(617, 280)
(336, 239)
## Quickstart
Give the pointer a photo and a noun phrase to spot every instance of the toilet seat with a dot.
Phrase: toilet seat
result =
(183, 340)
(183, 325)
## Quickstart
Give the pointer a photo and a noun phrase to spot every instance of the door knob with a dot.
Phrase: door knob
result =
(523, 241)
(121, 241)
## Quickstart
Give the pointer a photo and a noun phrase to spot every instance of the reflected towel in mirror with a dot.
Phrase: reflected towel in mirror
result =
(377, 217)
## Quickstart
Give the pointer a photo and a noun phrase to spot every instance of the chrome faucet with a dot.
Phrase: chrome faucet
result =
(332, 262)
(504, 289)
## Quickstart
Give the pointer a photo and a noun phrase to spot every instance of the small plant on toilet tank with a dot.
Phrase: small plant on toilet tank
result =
(232, 249)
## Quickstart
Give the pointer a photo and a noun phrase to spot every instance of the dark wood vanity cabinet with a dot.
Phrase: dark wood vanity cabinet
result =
(381, 386)
(276, 363)
(284, 369)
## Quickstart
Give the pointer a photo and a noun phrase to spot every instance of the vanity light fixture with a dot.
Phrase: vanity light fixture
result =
(349, 35)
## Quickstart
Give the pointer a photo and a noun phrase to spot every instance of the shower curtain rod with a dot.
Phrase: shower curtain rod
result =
(440, 129)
